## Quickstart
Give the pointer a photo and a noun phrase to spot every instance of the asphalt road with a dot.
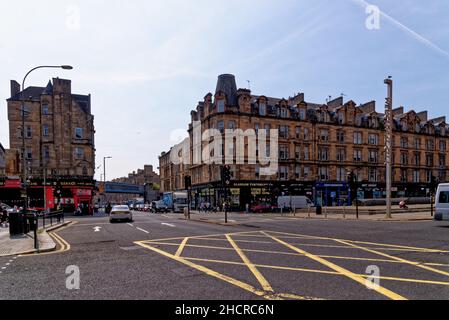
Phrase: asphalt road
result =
(165, 257)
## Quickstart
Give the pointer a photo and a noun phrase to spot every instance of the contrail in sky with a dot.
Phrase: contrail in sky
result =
(406, 29)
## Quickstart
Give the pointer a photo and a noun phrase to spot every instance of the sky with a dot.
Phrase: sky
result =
(147, 63)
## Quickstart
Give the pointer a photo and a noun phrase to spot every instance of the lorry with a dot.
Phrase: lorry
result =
(176, 201)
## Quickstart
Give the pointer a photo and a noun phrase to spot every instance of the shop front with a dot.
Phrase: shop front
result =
(243, 193)
(10, 192)
(64, 194)
(332, 194)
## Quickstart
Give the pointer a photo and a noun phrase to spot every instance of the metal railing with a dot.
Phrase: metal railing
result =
(56, 216)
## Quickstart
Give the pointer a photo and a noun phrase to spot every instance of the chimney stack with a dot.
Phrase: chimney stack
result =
(15, 88)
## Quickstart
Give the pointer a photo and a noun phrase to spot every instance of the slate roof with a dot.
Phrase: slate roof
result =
(35, 93)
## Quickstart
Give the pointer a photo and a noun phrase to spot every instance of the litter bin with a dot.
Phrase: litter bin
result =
(15, 223)
(319, 210)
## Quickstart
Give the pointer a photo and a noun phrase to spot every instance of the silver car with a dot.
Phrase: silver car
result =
(120, 213)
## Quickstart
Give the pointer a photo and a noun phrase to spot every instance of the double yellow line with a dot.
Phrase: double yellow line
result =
(62, 244)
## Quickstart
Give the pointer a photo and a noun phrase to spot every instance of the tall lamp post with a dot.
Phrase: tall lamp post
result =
(104, 168)
(388, 141)
(24, 171)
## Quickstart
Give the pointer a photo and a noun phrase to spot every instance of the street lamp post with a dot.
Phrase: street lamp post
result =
(24, 179)
(388, 142)
(104, 168)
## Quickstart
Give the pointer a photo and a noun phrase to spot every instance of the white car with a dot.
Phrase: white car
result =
(442, 203)
(120, 213)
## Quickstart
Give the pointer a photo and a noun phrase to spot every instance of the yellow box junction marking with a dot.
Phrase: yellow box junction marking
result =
(218, 275)
(413, 263)
(235, 238)
(388, 293)
(265, 285)
(181, 247)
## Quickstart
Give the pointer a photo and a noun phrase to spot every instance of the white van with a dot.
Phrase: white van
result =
(442, 202)
(294, 202)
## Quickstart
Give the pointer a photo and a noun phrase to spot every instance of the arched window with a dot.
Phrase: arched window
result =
(84, 171)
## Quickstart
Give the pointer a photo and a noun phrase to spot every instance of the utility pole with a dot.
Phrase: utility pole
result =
(388, 142)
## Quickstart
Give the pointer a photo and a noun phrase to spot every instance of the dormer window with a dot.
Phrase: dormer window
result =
(404, 126)
(302, 114)
(341, 118)
(417, 128)
(284, 113)
(45, 110)
(373, 123)
(262, 109)
(221, 106)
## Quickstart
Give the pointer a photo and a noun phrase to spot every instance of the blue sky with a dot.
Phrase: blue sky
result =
(148, 63)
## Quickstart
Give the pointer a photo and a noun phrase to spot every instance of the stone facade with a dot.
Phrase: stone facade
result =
(319, 144)
(59, 130)
(147, 175)
(2, 160)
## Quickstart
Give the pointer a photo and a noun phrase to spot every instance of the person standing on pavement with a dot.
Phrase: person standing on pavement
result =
(4, 216)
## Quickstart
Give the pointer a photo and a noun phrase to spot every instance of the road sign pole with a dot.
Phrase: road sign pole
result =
(388, 143)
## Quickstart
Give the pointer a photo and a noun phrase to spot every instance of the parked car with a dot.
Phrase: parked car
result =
(442, 203)
(120, 213)
(263, 207)
(147, 207)
(159, 206)
(4, 206)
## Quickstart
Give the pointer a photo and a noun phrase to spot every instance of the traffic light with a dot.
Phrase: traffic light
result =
(433, 184)
(352, 181)
(188, 182)
(226, 176)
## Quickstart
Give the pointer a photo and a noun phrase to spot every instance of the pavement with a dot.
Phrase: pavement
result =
(234, 218)
(256, 257)
(24, 244)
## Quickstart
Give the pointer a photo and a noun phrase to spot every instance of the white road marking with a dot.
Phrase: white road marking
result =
(168, 224)
(3, 268)
(142, 230)
(7, 264)
(97, 229)
(130, 224)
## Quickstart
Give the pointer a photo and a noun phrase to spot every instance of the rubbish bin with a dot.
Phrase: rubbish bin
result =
(319, 210)
(15, 223)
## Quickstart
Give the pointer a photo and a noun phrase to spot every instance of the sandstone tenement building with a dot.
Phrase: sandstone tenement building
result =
(318, 145)
(59, 141)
